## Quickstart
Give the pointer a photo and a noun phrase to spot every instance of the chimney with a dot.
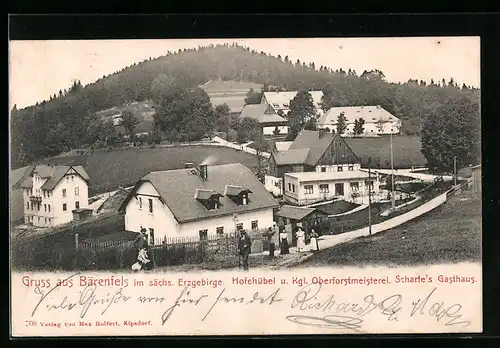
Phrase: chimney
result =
(321, 132)
(203, 172)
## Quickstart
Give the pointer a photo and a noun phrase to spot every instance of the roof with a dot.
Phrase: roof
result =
(261, 113)
(324, 176)
(217, 85)
(231, 190)
(317, 147)
(178, 187)
(53, 174)
(283, 145)
(297, 213)
(205, 194)
(371, 114)
(283, 98)
(294, 156)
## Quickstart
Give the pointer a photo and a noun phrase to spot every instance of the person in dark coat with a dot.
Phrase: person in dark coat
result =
(140, 241)
(244, 246)
(270, 239)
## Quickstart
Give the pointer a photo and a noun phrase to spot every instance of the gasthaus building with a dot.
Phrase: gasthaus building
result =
(198, 202)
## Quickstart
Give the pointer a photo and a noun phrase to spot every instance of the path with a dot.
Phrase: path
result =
(409, 173)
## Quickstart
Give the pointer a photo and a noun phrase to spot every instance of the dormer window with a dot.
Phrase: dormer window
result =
(276, 106)
(209, 198)
(238, 194)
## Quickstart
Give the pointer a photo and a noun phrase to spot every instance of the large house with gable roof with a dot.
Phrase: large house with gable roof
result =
(51, 194)
(270, 122)
(198, 202)
(280, 101)
(316, 166)
(376, 119)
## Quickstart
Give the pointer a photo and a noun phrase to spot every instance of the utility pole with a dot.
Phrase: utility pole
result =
(454, 170)
(393, 202)
(369, 199)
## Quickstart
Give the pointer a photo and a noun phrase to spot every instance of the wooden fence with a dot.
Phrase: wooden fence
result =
(115, 255)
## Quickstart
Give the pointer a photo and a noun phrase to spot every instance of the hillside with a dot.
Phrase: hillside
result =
(68, 119)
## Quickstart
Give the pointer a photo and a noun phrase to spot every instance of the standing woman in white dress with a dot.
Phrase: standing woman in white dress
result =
(301, 242)
(314, 241)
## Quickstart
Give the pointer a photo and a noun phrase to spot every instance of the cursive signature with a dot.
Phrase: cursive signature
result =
(308, 298)
(328, 321)
(439, 310)
(64, 304)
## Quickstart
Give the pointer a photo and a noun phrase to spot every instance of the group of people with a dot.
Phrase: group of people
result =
(285, 246)
(244, 246)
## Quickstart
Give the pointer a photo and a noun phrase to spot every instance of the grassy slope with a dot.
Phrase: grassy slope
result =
(110, 169)
(406, 150)
(451, 233)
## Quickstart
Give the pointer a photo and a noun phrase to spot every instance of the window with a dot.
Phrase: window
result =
(140, 203)
(45, 220)
(64, 192)
(48, 206)
(351, 167)
(354, 186)
(44, 193)
(276, 106)
(203, 235)
(239, 226)
(77, 205)
(31, 205)
(339, 189)
(65, 207)
(27, 205)
(255, 225)
(39, 206)
(293, 188)
(150, 205)
(151, 236)
(39, 219)
(323, 169)
(369, 184)
(45, 207)
(289, 187)
(219, 231)
(308, 189)
(72, 177)
(77, 191)
(285, 106)
(339, 168)
(324, 188)
(244, 200)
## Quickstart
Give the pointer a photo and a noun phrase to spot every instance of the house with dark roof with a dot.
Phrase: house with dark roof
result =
(198, 202)
(376, 119)
(319, 151)
(270, 122)
(280, 101)
(52, 193)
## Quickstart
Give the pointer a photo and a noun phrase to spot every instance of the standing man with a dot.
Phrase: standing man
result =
(272, 244)
(244, 245)
(140, 241)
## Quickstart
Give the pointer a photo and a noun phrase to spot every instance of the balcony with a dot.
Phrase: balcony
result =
(36, 199)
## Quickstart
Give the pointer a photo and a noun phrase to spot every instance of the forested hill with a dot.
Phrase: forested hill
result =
(68, 119)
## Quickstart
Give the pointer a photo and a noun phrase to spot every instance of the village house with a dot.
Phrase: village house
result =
(312, 187)
(198, 202)
(311, 151)
(52, 193)
(270, 122)
(377, 120)
(280, 101)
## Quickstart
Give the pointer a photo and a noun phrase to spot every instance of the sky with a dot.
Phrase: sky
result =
(38, 69)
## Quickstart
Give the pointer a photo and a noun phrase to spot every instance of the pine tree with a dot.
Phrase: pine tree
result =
(341, 123)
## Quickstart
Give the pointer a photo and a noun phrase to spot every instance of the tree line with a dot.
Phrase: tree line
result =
(68, 118)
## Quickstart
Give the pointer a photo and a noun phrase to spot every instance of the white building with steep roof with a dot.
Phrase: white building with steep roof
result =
(377, 120)
(53, 193)
(280, 101)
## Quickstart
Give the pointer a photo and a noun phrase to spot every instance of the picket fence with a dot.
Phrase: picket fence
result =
(121, 254)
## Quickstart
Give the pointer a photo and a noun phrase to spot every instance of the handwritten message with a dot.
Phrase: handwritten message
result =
(317, 301)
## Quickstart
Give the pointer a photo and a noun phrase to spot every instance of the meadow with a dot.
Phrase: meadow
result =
(450, 233)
